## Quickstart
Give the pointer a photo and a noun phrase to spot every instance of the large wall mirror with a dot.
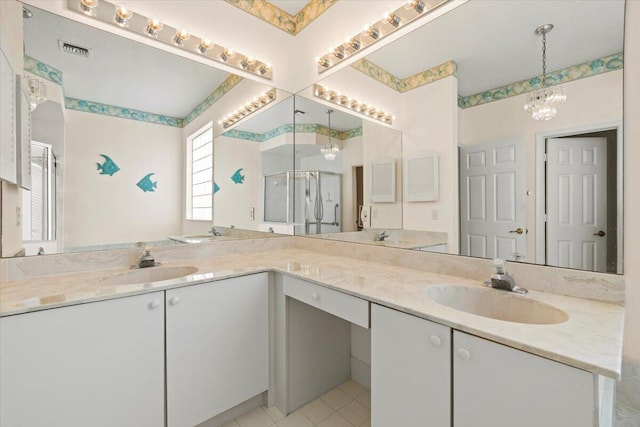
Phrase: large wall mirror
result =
(122, 149)
(538, 191)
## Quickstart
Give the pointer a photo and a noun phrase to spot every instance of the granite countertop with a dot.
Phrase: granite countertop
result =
(591, 339)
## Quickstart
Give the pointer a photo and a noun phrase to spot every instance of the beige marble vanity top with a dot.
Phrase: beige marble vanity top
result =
(591, 339)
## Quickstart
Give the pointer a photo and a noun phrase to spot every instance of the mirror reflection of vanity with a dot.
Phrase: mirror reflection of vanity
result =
(500, 194)
(454, 102)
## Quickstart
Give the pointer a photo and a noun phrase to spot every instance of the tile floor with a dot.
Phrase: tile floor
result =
(348, 405)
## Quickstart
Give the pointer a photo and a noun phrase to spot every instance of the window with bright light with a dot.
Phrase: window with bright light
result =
(200, 175)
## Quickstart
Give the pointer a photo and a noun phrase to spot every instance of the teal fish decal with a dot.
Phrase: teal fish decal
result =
(108, 167)
(216, 188)
(237, 177)
(146, 185)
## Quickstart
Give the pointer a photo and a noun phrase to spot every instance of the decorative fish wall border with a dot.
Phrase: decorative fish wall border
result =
(146, 184)
(237, 177)
(109, 167)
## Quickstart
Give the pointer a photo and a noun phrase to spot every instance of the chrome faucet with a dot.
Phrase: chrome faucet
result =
(214, 232)
(146, 260)
(382, 236)
(500, 279)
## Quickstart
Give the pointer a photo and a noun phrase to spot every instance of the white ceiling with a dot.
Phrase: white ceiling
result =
(292, 7)
(494, 44)
(315, 113)
(120, 71)
(491, 40)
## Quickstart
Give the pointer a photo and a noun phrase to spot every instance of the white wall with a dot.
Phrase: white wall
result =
(590, 101)
(102, 209)
(351, 157)
(232, 203)
(631, 349)
(380, 142)
(430, 117)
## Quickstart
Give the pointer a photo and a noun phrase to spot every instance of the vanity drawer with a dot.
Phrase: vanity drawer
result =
(347, 307)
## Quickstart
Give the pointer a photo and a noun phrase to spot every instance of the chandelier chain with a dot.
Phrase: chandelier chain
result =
(544, 58)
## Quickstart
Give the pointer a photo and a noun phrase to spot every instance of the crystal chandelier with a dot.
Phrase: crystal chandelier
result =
(542, 103)
(330, 150)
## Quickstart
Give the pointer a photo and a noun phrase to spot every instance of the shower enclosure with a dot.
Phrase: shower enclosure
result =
(309, 200)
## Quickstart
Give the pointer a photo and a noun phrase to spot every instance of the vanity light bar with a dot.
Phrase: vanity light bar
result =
(390, 22)
(123, 17)
(249, 108)
(345, 101)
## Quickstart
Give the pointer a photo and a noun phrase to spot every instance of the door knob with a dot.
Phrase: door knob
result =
(154, 304)
(435, 340)
(174, 301)
(517, 230)
(464, 354)
(600, 233)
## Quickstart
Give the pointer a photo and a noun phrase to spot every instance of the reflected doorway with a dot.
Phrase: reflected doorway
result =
(359, 192)
(581, 201)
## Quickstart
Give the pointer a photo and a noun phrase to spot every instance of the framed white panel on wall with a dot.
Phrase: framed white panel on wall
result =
(8, 154)
(23, 134)
(383, 180)
(421, 178)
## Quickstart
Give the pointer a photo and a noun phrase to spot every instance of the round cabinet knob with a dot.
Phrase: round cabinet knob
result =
(174, 300)
(154, 304)
(315, 296)
(464, 354)
(435, 340)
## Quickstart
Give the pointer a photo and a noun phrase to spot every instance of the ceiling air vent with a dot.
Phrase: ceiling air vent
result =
(73, 49)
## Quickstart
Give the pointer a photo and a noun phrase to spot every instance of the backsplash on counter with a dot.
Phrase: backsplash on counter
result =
(581, 284)
(37, 266)
(576, 283)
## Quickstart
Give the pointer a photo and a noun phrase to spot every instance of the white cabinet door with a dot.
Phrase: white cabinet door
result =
(498, 386)
(217, 347)
(99, 364)
(410, 370)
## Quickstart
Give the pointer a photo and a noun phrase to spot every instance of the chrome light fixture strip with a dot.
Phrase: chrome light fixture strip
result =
(106, 12)
(377, 31)
(352, 104)
(249, 108)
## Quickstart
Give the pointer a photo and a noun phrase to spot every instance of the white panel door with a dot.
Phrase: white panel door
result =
(493, 200)
(498, 386)
(217, 347)
(410, 370)
(577, 203)
(99, 364)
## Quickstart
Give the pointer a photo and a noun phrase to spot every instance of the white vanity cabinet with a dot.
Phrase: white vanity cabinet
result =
(422, 373)
(498, 386)
(410, 370)
(98, 364)
(217, 338)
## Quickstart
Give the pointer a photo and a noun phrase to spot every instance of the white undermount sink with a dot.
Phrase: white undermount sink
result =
(496, 304)
(148, 275)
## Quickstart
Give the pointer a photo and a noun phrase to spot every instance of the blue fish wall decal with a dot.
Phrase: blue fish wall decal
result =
(108, 167)
(216, 188)
(237, 177)
(146, 185)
